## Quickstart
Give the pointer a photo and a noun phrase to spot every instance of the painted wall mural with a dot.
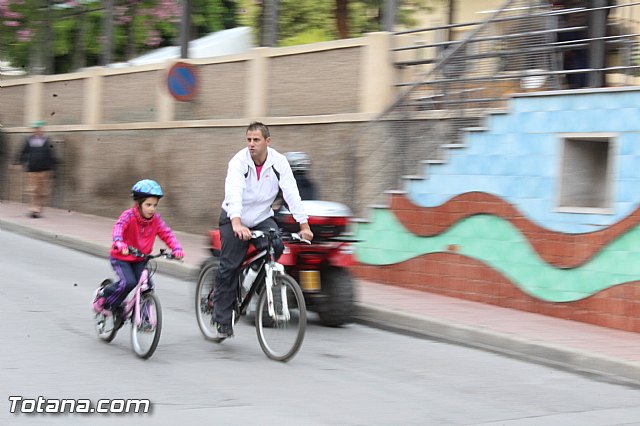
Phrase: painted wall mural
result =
(486, 224)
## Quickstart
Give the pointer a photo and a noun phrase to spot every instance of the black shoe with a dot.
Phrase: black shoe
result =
(118, 318)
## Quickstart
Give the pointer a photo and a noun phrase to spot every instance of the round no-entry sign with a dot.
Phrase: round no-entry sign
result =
(182, 81)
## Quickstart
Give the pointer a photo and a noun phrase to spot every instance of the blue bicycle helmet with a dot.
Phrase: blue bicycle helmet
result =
(146, 188)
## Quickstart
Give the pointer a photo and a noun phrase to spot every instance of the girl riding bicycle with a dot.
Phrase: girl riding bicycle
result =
(136, 227)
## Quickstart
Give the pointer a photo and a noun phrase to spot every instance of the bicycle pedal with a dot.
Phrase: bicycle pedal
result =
(146, 327)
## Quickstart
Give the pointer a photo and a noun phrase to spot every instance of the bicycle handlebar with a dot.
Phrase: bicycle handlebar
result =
(297, 236)
(293, 236)
(163, 253)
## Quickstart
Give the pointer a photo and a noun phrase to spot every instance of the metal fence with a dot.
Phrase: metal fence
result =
(450, 77)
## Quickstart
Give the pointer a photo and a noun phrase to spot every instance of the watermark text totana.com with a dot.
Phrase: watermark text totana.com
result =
(41, 405)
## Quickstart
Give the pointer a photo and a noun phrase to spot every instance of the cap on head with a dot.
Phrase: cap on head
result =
(37, 124)
(299, 161)
(146, 188)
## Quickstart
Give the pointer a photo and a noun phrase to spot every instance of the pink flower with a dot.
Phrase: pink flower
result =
(24, 35)
(12, 15)
(153, 38)
(11, 23)
(123, 20)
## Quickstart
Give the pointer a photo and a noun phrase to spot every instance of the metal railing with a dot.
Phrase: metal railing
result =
(450, 77)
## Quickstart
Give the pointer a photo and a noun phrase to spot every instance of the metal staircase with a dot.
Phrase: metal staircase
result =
(451, 77)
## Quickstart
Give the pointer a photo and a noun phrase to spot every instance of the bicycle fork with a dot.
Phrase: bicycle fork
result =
(271, 269)
(145, 311)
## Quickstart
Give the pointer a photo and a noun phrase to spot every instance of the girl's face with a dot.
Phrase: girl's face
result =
(148, 207)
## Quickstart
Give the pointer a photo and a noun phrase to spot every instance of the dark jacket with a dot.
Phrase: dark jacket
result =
(306, 188)
(37, 158)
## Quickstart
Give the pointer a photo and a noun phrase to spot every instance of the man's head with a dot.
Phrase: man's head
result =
(258, 140)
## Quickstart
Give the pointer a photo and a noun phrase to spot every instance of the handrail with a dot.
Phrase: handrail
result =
(520, 47)
(445, 59)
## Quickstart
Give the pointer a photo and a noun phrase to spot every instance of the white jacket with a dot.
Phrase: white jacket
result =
(250, 199)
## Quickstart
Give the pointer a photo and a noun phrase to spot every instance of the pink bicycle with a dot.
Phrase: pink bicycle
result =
(142, 308)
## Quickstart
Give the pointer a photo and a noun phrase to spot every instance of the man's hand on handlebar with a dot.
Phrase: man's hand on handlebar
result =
(305, 231)
(240, 231)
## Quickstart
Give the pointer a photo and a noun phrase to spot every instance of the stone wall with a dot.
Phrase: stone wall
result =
(112, 127)
(98, 168)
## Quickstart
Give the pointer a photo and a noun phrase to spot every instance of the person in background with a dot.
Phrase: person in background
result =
(38, 157)
(300, 165)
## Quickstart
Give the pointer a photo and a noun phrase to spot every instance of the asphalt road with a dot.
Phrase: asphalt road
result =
(350, 376)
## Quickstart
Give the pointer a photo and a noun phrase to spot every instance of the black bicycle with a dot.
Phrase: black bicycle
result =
(280, 311)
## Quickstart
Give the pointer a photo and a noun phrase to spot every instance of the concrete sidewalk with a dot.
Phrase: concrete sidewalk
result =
(587, 349)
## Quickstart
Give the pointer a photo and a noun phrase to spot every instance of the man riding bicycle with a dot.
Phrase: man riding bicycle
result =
(255, 175)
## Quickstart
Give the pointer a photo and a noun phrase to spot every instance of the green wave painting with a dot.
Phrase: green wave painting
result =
(498, 244)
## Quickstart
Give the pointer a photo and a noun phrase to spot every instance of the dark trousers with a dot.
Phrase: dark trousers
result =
(232, 254)
(128, 276)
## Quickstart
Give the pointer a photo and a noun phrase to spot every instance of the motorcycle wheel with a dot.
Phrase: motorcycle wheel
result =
(337, 305)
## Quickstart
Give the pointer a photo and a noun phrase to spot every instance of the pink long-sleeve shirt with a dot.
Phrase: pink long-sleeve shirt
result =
(134, 230)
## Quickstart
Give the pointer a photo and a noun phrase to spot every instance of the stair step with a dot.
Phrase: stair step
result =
(413, 177)
(475, 129)
(378, 206)
(359, 220)
(454, 145)
(433, 162)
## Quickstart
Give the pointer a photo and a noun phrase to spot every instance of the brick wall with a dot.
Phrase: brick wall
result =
(453, 274)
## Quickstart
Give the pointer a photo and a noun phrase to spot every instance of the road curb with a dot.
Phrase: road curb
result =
(576, 360)
(172, 268)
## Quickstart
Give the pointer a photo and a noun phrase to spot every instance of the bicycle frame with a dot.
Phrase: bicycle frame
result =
(132, 305)
(264, 279)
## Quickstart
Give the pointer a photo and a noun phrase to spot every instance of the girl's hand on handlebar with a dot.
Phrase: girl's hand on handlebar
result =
(122, 247)
(178, 254)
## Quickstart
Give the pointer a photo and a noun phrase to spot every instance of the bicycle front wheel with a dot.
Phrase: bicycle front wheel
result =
(281, 335)
(145, 335)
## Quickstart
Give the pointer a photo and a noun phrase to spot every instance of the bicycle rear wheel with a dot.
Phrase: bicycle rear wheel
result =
(204, 301)
(281, 336)
(104, 324)
(146, 334)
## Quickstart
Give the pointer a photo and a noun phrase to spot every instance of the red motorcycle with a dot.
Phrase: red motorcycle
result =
(320, 267)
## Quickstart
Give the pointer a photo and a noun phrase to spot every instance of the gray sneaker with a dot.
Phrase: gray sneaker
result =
(224, 331)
